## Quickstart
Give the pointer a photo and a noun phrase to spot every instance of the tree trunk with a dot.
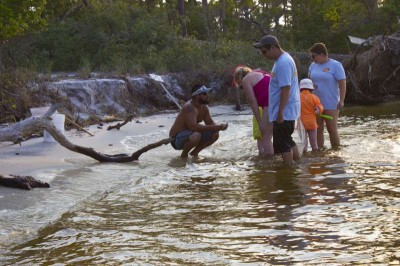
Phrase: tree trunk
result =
(182, 17)
(204, 7)
(222, 15)
(372, 6)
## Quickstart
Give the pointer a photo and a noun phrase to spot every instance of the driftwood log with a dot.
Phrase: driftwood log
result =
(22, 182)
(119, 125)
(15, 133)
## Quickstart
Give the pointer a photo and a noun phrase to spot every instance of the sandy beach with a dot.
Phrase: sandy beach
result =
(36, 154)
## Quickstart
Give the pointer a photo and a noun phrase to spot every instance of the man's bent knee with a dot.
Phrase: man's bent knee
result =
(195, 137)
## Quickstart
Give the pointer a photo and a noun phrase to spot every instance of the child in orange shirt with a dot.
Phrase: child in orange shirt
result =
(310, 107)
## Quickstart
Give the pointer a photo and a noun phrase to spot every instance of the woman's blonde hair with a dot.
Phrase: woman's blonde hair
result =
(239, 73)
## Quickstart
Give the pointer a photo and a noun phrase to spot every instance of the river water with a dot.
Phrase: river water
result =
(228, 207)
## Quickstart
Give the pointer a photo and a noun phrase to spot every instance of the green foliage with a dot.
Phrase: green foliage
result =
(390, 11)
(14, 97)
(189, 54)
(85, 68)
(18, 17)
(136, 37)
(124, 36)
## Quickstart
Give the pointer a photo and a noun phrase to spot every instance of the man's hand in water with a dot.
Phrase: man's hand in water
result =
(224, 126)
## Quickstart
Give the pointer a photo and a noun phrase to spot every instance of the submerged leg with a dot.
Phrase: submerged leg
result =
(331, 126)
(312, 134)
(320, 131)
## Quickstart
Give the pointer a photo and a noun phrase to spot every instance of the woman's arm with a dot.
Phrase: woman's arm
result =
(342, 91)
(251, 98)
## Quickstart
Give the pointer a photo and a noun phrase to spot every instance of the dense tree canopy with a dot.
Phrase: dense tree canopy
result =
(114, 35)
(141, 36)
(18, 17)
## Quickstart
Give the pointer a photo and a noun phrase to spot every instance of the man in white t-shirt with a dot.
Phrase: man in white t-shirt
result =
(284, 97)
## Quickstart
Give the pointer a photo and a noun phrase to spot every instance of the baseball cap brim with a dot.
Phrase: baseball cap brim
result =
(202, 89)
(266, 40)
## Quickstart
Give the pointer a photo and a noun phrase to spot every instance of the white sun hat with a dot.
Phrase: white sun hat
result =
(306, 84)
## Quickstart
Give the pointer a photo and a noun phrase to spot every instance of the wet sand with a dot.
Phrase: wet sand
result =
(36, 154)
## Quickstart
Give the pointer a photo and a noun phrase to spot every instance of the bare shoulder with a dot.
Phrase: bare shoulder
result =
(204, 108)
(188, 107)
(252, 78)
(204, 111)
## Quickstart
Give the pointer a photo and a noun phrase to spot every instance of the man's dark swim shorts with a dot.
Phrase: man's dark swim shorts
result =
(183, 136)
(282, 136)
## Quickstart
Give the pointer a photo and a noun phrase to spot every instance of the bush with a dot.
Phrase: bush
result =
(14, 94)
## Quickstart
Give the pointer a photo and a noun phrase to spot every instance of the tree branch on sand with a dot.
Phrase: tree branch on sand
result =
(35, 124)
(119, 125)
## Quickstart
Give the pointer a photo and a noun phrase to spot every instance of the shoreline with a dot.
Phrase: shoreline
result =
(35, 154)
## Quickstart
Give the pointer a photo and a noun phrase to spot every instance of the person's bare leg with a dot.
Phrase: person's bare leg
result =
(296, 153)
(192, 142)
(267, 141)
(200, 147)
(312, 134)
(320, 131)
(260, 146)
(267, 137)
(306, 143)
(287, 157)
(331, 126)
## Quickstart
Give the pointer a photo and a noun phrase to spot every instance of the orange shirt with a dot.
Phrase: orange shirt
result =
(308, 104)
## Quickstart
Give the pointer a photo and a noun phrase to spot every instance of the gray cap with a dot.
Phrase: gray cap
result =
(266, 40)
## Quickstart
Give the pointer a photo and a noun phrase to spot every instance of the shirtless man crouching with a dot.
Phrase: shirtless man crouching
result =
(188, 132)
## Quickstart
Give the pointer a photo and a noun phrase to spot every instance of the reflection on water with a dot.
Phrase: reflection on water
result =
(229, 207)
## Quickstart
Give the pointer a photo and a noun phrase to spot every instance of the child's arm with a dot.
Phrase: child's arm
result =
(319, 109)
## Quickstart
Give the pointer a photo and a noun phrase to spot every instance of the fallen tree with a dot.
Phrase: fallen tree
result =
(22, 182)
(373, 70)
(16, 132)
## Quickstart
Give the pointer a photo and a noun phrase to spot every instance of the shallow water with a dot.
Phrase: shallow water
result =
(226, 208)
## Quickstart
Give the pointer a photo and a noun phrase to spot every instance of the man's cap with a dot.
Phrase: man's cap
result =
(202, 89)
(306, 84)
(266, 40)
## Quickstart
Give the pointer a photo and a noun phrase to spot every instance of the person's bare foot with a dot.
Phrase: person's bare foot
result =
(195, 159)
(178, 162)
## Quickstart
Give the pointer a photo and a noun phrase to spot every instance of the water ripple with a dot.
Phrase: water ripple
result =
(228, 207)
